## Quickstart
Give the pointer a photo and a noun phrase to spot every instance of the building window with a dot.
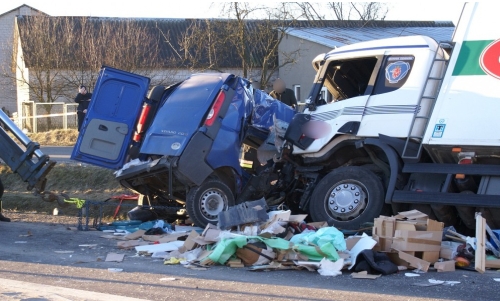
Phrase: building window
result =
(326, 95)
(296, 90)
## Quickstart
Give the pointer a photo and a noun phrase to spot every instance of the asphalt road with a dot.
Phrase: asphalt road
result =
(60, 154)
(41, 261)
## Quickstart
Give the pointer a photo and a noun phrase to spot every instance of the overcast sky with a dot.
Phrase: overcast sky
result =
(402, 10)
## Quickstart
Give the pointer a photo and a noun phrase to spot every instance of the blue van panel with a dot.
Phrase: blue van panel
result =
(227, 144)
(110, 121)
(182, 114)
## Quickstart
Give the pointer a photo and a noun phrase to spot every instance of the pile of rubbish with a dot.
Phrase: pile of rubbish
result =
(249, 235)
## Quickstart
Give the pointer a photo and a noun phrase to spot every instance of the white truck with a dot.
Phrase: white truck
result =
(412, 124)
(413, 121)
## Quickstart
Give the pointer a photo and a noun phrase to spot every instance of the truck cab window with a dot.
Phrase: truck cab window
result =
(349, 78)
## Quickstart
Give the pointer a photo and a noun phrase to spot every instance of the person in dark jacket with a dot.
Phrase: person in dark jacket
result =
(283, 94)
(82, 99)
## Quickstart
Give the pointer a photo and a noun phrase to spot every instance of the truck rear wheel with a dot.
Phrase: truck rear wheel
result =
(204, 202)
(347, 197)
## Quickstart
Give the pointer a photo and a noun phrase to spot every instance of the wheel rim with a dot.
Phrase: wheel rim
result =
(212, 202)
(346, 200)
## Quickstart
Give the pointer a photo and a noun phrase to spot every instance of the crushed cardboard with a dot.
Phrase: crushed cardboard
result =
(445, 266)
(114, 257)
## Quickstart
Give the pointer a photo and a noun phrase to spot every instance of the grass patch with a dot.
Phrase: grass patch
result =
(83, 182)
(55, 137)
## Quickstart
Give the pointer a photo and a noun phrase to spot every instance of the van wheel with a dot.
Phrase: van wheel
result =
(204, 202)
(347, 197)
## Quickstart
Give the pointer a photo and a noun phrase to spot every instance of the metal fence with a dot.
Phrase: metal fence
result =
(41, 117)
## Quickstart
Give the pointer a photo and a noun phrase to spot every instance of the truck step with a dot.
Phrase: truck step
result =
(454, 199)
(468, 169)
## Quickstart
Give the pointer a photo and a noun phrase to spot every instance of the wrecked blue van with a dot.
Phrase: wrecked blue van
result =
(179, 146)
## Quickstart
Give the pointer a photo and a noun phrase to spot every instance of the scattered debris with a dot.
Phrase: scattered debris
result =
(26, 235)
(330, 268)
(114, 257)
(364, 275)
(283, 241)
(445, 266)
(452, 283)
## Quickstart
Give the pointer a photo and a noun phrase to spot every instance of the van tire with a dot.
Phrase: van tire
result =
(347, 198)
(204, 202)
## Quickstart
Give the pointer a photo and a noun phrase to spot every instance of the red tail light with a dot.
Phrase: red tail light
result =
(214, 111)
(141, 122)
(464, 160)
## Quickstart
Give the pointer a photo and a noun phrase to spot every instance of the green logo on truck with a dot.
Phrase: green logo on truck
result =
(478, 58)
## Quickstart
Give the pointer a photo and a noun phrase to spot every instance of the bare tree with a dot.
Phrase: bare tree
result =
(60, 53)
(364, 11)
(257, 41)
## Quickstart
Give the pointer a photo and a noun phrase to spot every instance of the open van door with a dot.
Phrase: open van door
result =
(110, 121)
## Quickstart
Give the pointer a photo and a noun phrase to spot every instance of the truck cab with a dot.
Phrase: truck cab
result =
(371, 83)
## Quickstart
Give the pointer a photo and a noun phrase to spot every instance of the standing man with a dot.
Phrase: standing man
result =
(283, 94)
(83, 100)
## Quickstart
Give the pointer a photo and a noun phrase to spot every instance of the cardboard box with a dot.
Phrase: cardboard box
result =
(189, 243)
(412, 233)
(405, 259)
(383, 232)
(445, 266)
(419, 241)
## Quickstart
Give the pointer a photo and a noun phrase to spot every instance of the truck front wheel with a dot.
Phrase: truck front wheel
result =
(204, 202)
(347, 197)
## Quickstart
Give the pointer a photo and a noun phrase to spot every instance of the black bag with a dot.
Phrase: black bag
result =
(374, 263)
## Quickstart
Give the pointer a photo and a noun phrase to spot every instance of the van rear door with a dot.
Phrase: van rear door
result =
(110, 121)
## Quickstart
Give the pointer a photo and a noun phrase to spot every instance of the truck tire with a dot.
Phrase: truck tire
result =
(204, 202)
(347, 197)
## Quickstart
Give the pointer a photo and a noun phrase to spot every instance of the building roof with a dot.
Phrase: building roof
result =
(348, 33)
(21, 6)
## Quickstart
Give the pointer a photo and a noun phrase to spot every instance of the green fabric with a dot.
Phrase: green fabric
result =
(322, 236)
(226, 248)
(323, 243)
(79, 202)
(317, 253)
(468, 58)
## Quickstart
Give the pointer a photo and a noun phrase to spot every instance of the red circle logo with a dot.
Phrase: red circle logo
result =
(490, 59)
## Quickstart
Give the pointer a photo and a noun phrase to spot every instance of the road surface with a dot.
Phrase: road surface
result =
(60, 154)
(44, 261)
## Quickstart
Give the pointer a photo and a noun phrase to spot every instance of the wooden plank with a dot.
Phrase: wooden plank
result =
(480, 260)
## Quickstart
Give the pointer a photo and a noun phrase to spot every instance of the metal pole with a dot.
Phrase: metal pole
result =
(65, 117)
(35, 121)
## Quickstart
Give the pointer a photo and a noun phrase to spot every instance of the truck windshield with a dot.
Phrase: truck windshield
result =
(349, 78)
